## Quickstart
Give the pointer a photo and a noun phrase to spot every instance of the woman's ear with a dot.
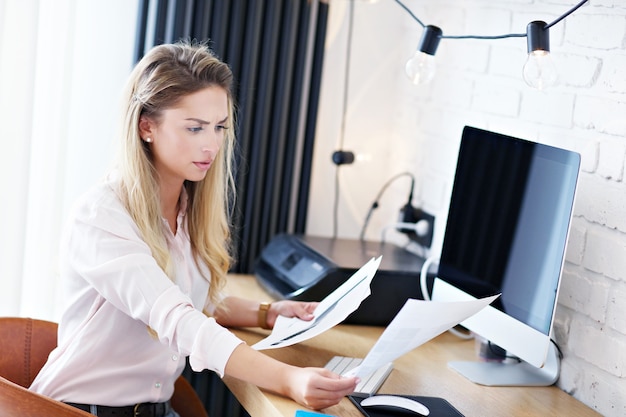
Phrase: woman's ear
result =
(146, 127)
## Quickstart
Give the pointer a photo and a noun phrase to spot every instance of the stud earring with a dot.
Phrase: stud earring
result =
(148, 140)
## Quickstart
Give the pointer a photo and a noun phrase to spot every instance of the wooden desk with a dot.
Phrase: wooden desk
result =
(423, 371)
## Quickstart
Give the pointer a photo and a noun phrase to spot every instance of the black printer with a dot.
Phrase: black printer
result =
(308, 268)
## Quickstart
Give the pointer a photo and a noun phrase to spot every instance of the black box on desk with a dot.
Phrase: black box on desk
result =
(308, 268)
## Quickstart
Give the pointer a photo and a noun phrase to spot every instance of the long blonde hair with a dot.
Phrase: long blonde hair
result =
(165, 75)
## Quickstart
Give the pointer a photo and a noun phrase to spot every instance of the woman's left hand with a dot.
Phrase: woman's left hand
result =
(288, 308)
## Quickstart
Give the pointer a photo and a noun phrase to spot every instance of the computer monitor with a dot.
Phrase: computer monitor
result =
(508, 222)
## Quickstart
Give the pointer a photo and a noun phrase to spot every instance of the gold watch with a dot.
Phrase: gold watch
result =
(263, 308)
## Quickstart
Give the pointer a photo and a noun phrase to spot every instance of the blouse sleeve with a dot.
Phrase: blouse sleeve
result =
(105, 248)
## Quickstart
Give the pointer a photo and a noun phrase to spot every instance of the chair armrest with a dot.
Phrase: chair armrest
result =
(185, 401)
(17, 401)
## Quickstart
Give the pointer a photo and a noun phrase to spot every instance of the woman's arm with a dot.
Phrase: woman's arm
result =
(239, 312)
(316, 388)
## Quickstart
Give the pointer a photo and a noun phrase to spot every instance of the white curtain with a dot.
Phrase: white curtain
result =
(63, 64)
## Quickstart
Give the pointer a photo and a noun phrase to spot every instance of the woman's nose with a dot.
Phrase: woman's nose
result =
(211, 145)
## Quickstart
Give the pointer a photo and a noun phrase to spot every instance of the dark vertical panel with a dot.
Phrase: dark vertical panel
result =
(179, 20)
(262, 152)
(201, 13)
(235, 34)
(311, 118)
(218, 26)
(279, 96)
(142, 26)
(214, 394)
(141, 42)
(298, 88)
(234, 55)
(248, 111)
(172, 16)
(284, 114)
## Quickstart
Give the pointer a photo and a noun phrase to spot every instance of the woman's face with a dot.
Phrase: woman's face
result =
(187, 137)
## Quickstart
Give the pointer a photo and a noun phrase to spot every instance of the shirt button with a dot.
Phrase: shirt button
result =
(157, 385)
(174, 357)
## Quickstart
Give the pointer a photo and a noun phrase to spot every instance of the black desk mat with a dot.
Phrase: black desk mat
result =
(438, 407)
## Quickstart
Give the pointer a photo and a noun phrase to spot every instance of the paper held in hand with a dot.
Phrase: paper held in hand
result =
(416, 323)
(332, 310)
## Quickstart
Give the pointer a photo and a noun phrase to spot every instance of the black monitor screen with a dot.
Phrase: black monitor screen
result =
(508, 223)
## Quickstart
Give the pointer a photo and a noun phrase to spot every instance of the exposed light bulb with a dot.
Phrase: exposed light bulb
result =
(539, 70)
(421, 67)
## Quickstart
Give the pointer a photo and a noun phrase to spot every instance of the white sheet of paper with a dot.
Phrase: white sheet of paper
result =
(331, 311)
(415, 324)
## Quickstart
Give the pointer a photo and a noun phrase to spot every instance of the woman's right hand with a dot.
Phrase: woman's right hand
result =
(319, 388)
(315, 388)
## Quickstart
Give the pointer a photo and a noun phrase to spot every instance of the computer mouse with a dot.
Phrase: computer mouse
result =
(397, 402)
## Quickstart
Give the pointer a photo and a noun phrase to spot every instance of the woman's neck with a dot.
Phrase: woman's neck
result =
(170, 205)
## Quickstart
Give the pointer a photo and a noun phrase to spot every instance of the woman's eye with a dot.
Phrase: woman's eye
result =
(220, 128)
(195, 129)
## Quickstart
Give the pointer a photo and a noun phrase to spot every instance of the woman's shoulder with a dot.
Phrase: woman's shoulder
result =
(103, 190)
(101, 208)
(102, 197)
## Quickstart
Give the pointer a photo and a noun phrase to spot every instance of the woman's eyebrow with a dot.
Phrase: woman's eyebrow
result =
(204, 122)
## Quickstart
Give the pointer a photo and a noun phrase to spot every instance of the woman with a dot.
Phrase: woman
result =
(145, 255)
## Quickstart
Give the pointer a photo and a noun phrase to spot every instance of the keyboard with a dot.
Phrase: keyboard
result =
(368, 385)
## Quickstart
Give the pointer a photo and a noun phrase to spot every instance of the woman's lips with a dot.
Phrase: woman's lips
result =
(204, 165)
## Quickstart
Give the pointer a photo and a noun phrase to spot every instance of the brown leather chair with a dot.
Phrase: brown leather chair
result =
(24, 347)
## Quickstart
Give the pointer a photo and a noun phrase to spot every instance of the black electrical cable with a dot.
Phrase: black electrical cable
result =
(509, 35)
(495, 351)
(558, 349)
(344, 112)
(375, 204)
(411, 13)
(563, 16)
(500, 353)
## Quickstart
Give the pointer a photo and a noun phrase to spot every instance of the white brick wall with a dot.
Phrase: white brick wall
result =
(478, 83)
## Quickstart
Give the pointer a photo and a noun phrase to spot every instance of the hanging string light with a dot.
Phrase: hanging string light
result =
(538, 72)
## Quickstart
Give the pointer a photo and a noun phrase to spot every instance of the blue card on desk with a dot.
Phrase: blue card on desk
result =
(437, 406)
(304, 413)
